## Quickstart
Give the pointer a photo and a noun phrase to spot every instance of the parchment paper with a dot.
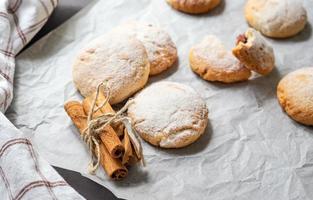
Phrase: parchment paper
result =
(251, 148)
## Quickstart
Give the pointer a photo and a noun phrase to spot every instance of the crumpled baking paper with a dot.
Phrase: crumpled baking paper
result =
(251, 149)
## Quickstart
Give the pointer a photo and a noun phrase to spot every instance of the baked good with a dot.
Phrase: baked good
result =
(168, 114)
(254, 52)
(295, 95)
(194, 6)
(276, 18)
(162, 52)
(213, 62)
(120, 61)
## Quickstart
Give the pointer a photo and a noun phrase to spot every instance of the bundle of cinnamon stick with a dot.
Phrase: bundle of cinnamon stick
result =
(116, 150)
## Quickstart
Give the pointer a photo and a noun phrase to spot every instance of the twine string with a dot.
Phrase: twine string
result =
(95, 126)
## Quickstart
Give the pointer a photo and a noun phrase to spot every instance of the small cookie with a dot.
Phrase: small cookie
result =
(162, 52)
(121, 61)
(254, 52)
(194, 6)
(168, 114)
(276, 18)
(213, 62)
(295, 95)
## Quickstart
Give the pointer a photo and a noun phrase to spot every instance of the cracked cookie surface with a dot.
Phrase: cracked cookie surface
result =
(169, 114)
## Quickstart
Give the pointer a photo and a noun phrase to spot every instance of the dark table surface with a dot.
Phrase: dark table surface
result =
(86, 187)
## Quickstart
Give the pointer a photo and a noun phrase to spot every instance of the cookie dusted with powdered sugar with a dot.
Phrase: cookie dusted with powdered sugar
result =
(255, 52)
(169, 115)
(162, 52)
(120, 61)
(295, 95)
(276, 18)
(194, 6)
(213, 62)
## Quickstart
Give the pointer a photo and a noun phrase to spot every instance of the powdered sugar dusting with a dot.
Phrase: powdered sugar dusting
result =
(169, 114)
(213, 52)
(259, 49)
(122, 61)
(277, 16)
(161, 50)
(295, 94)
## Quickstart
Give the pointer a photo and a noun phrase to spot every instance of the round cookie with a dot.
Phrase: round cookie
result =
(295, 95)
(168, 114)
(121, 61)
(213, 62)
(162, 52)
(194, 6)
(276, 18)
(254, 52)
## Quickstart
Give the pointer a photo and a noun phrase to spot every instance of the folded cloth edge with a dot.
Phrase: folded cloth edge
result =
(23, 173)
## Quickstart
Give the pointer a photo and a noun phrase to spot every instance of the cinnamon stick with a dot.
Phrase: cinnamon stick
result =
(108, 136)
(118, 127)
(76, 112)
(112, 166)
(107, 108)
(128, 156)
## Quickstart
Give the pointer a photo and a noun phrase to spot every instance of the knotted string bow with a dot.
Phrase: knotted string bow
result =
(96, 125)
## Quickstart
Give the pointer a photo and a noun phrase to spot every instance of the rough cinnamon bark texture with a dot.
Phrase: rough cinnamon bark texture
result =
(128, 156)
(112, 166)
(108, 136)
(76, 112)
(118, 127)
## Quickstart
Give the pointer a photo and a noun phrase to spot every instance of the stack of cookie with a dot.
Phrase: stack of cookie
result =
(173, 115)
(165, 114)
(124, 58)
(213, 62)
